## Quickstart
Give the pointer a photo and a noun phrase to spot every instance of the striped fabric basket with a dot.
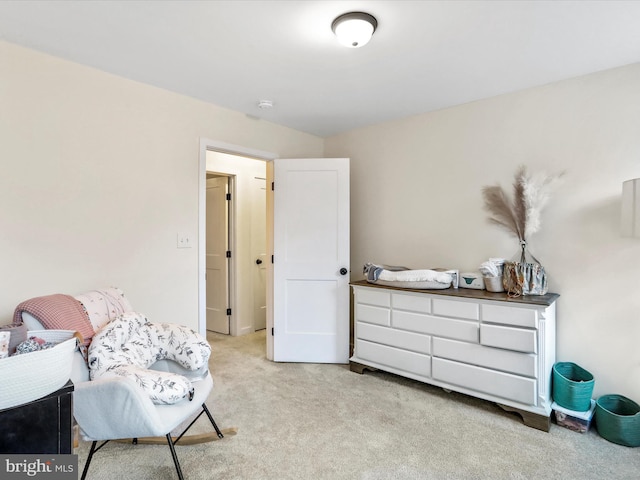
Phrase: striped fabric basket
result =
(618, 420)
(30, 376)
(572, 386)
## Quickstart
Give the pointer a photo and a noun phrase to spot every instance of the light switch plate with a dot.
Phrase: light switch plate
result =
(184, 240)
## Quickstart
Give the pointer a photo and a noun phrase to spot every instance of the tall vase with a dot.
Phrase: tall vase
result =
(524, 275)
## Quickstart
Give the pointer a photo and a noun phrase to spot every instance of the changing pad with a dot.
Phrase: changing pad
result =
(395, 276)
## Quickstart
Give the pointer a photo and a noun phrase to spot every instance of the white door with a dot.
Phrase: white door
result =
(259, 252)
(217, 263)
(311, 260)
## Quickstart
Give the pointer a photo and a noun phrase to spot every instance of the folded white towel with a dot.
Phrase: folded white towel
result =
(415, 276)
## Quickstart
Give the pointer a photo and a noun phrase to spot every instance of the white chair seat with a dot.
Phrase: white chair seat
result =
(137, 415)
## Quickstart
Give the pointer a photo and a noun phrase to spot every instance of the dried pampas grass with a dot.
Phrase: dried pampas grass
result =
(520, 216)
(498, 204)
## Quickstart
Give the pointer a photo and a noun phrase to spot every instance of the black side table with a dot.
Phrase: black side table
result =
(41, 426)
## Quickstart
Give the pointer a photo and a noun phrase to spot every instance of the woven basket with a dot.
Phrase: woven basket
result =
(493, 284)
(618, 420)
(572, 386)
(30, 376)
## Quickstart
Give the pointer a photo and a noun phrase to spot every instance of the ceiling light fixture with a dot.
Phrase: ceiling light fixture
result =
(354, 29)
(265, 104)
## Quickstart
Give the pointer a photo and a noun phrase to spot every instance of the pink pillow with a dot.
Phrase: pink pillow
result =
(57, 312)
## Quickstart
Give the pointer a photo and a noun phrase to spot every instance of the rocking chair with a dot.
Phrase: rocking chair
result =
(116, 408)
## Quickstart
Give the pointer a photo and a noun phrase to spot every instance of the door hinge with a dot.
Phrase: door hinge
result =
(271, 258)
(272, 331)
(272, 186)
(228, 311)
(228, 253)
(228, 196)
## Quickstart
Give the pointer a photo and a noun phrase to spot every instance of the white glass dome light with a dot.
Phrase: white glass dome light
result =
(354, 29)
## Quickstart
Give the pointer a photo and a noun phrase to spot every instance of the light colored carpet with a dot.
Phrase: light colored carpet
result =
(308, 421)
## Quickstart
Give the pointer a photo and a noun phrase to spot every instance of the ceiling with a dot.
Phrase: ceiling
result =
(425, 55)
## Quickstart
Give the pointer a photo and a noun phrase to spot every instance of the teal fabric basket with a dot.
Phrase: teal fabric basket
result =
(572, 386)
(618, 420)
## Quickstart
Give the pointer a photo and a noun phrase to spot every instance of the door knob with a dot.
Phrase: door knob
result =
(343, 271)
(258, 262)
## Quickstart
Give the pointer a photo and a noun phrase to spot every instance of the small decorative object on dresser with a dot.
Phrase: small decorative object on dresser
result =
(520, 216)
(486, 345)
(492, 273)
(471, 280)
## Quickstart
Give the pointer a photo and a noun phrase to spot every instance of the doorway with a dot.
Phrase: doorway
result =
(246, 243)
(217, 246)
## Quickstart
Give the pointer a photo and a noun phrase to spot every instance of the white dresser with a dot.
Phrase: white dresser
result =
(482, 344)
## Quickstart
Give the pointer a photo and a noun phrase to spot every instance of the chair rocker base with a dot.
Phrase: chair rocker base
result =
(186, 439)
(172, 441)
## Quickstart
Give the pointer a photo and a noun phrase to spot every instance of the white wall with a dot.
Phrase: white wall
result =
(244, 170)
(416, 201)
(99, 174)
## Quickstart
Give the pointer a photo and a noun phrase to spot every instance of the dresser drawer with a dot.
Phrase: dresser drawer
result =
(377, 315)
(519, 339)
(372, 296)
(519, 317)
(443, 327)
(411, 362)
(497, 359)
(416, 342)
(413, 303)
(455, 308)
(499, 384)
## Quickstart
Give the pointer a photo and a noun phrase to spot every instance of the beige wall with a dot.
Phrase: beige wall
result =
(416, 201)
(99, 175)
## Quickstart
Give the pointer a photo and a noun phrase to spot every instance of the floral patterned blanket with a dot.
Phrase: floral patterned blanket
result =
(130, 344)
